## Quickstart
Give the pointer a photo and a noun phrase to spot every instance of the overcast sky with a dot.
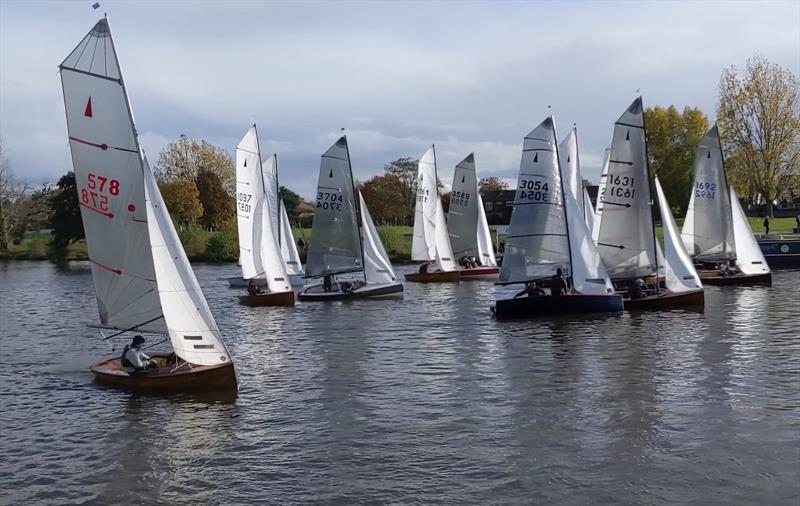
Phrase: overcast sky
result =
(398, 76)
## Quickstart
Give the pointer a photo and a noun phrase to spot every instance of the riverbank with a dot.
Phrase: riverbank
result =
(221, 247)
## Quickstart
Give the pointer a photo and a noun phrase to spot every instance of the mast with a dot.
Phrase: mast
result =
(652, 196)
(359, 218)
(563, 198)
(727, 189)
(580, 176)
(280, 198)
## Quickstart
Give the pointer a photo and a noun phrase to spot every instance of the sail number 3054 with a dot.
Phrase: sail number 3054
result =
(534, 191)
(98, 190)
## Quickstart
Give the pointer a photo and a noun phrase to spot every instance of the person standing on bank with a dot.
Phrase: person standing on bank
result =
(766, 225)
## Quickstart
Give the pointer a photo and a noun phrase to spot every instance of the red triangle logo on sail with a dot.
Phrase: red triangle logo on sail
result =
(88, 111)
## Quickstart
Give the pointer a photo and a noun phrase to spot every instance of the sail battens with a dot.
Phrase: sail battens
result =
(117, 80)
(631, 125)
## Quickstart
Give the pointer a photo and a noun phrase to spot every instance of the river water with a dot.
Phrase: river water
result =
(424, 400)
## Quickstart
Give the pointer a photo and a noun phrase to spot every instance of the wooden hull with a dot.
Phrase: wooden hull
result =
(268, 299)
(187, 378)
(547, 306)
(714, 278)
(434, 277)
(238, 282)
(316, 293)
(667, 300)
(480, 274)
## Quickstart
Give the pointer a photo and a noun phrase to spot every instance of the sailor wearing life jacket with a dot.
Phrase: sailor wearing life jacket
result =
(133, 359)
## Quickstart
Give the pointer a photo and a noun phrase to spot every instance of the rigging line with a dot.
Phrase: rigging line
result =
(105, 56)
(629, 125)
(143, 295)
(82, 50)
(335, 158)
(537, 149)
(98, 76)
(132, 328)
(156, 344)
(94, 51)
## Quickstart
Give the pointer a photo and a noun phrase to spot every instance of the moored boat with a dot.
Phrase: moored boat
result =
(143, 281)
(547, 234)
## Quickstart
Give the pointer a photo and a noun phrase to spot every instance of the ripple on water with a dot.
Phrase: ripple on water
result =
(426, 399)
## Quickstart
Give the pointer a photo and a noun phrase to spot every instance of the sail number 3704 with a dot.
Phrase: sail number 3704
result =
(329, 201)
(97, 191)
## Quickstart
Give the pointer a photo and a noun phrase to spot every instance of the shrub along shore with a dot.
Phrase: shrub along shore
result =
(221, 246)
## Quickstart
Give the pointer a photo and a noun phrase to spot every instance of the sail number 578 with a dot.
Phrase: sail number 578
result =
(98, 188)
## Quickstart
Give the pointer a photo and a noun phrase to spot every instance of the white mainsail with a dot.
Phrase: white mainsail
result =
(259, 252)
(377, 267)
(291, 258)
(335, 238)
(430, 240)
(485, 244)
(191, 326)
(537, 242)
(711, 226)
(143, 280)
(466, 222)
(679, 270)
(687, 232)
(588, 210)
(749, 257)
(626, 237)
(110, 184)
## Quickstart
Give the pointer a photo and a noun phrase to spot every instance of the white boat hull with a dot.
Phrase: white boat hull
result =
(316, 292)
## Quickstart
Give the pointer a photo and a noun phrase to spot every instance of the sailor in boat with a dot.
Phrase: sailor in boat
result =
(423, 269)
(327, 283)
(532, 289)
(133, 359)
(636, 289)
(252, 288)
(558, 286)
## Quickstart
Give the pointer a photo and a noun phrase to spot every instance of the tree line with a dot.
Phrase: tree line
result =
(758, 114)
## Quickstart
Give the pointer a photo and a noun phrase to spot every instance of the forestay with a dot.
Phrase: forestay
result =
(537, 242)
(191, 327)
(377, 267)
(679, 271)
(626, 237)
(712, 233)
(431, 240)
(291, 258)
(335, 240)
(110, 185)
(749, 257)
(462, 219)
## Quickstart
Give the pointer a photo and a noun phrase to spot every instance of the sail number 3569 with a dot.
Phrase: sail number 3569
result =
(98, 190)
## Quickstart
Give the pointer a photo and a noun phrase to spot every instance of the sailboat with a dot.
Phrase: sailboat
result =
(259, 252)
(431, 242)
(143, 281)
(568, 149)
(548, 232)
(626, 239)
(716, 231)
(280, 226)
(467, 226)
(337, 244)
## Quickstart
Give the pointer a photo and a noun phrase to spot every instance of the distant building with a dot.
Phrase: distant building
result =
(499, 204)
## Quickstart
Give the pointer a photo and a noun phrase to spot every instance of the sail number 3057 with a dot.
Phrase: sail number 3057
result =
(98, 189)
